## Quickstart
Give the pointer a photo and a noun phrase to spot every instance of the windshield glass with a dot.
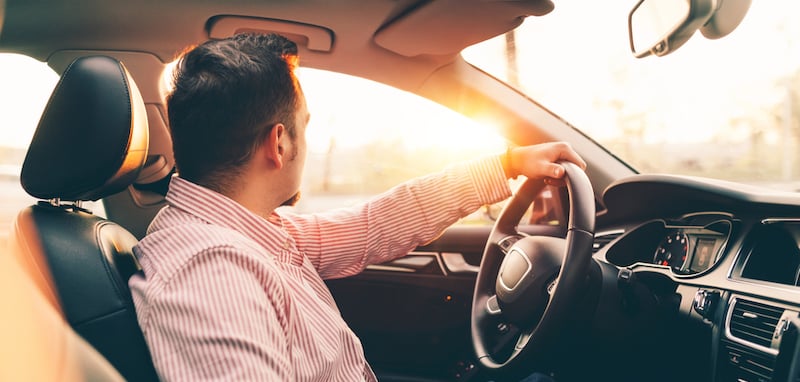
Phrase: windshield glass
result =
(727, 108)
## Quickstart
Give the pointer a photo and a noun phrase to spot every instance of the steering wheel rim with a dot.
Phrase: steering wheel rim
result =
(504, 263)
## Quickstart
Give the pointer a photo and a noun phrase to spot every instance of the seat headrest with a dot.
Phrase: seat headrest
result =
(92, 139)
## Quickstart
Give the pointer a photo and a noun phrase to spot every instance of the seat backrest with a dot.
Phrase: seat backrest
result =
(38, 345)
(91, 142)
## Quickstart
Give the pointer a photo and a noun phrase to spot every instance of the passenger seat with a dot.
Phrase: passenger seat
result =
(91, 142)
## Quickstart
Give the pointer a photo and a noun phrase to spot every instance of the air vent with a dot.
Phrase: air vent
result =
(740, 363)
(603, 238)
(753, 322)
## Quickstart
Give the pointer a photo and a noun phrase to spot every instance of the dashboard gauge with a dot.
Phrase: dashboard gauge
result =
(673, 250)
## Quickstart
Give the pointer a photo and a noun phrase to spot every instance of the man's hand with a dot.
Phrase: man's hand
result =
(539, 161)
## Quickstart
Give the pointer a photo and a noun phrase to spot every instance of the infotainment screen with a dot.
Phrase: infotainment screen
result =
(703, 255)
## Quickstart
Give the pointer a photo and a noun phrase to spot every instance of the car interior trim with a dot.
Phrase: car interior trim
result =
(313, 37)
(731, 305)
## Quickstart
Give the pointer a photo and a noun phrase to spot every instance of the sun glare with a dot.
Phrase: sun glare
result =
(356, 112)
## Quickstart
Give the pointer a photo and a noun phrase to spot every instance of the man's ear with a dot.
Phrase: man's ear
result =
(275, 145)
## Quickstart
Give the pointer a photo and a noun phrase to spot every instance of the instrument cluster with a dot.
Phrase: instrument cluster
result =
(689, 250)
(687, 246)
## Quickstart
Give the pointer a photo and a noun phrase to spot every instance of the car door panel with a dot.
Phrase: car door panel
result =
(412, 314)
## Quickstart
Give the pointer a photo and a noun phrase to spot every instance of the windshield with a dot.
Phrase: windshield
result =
(727, 109)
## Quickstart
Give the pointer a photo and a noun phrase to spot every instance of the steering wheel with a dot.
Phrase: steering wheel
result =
(528, 285)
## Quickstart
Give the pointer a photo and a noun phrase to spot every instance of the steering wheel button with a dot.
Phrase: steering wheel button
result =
(492, 306)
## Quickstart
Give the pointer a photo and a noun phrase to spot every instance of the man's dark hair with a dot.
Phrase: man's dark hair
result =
(228, 94)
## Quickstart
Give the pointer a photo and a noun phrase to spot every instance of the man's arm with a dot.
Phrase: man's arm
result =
(219, 318)
(343, 242)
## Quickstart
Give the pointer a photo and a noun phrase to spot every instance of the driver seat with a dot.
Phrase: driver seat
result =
(91, 142)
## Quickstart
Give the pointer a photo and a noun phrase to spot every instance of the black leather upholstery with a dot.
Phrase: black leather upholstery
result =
(90, 143)
(38, 345)
(90, 261)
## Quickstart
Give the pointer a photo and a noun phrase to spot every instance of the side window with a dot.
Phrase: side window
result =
(26, 87)
(365, 137)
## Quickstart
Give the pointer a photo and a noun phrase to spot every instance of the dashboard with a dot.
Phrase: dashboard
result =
(731, 254)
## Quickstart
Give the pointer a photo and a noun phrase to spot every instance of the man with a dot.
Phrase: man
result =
(233, 290)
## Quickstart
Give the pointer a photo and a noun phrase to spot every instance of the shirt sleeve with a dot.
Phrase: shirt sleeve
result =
(343, 242)
(231, 327)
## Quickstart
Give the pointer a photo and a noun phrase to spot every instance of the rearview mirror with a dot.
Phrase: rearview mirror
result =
(660, 27)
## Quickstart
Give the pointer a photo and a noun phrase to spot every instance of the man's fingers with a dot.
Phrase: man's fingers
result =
(552, 170)
(541, 161)
(567, 153)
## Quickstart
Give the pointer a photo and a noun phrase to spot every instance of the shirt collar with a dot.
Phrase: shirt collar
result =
(220, 210)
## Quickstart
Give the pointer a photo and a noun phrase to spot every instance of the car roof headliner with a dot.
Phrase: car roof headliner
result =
(420, 33)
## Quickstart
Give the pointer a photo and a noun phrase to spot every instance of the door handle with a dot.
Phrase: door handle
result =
(456, 263)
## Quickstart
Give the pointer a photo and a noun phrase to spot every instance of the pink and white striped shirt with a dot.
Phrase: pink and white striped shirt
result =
(229, 295)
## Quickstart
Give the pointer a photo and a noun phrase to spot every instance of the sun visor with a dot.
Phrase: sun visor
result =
(441, 27)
